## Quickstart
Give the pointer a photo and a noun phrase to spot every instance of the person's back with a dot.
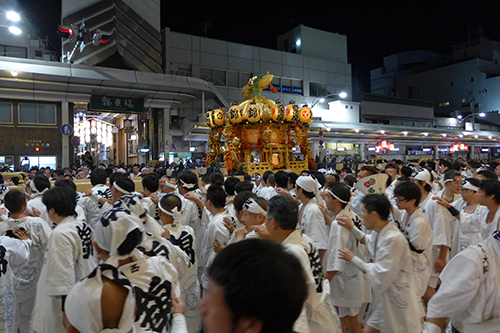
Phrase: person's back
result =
(216, 230)
(14, 256)
(469, 296)
(154, 279)
(183, 236)
(70, 257)
(27, 278)
(91, 205)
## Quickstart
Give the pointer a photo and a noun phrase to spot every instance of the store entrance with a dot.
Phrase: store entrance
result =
(117, 139)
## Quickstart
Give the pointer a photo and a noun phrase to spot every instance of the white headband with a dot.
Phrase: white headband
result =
(169, 184)
(35, 190)
(253, 207)
(175, 214)
(336, 197)
(186, 185)
(83, 303)
(468, 186)
(451, 180)
(119, 189)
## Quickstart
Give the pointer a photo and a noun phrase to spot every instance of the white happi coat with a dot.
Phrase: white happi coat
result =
(38, 204)
(470, 224)
(150, 207)
(394, 305)
(216, 230)
(418, 233)
(191, 214)
(92, 207)
(69, 258)
(488, 228)
(153, 246)
(14, 256)
(312, 223)
(350, 287)
(470, 289)
(318, 315)
(440, 220)
(27, 278)
(184, 237)
(155, 282)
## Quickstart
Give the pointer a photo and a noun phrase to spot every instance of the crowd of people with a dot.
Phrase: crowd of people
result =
(391, 247)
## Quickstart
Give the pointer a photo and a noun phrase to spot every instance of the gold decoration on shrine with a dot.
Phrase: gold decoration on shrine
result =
(258, 134)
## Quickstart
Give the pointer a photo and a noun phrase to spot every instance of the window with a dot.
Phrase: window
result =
(233, 79)
(41, 114)
(13, 51)
(219, 77)
(41, 161)
(206, 74)
(6, 113)
(244, 78)
(317, 89)
(414, 92)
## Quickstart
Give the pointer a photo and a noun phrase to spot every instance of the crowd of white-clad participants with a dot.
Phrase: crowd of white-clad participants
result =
(391, 247)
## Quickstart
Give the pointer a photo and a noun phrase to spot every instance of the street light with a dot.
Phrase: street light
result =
(322, 99)
(15, 30)
(13, 16)
(461, 118)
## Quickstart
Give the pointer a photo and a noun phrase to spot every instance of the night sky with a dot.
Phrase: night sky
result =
(374, 29)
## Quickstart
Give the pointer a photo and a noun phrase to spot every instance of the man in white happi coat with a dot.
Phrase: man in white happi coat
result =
(318, 315)
(469, 213)
(35, 191)
(187, 182)
(69, 258)
(154, 279)
(91, 205)
(350, 289)
(14, 256)
(104, 302)
(451, 194)
(395, 306)
(257, 182)
(469, 291)
(254, 214)
(150, 185)
(216, 230)
(417, 230)
(311, 219)
(27, 278)
(489, 196)
(170, 211)
(440, 220)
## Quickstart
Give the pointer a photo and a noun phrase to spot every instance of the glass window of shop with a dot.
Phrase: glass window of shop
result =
(40, 161)
(6, 113)
(39, 114)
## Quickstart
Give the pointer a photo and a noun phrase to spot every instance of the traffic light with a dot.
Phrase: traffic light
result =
(67, 31)
(37, 149)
